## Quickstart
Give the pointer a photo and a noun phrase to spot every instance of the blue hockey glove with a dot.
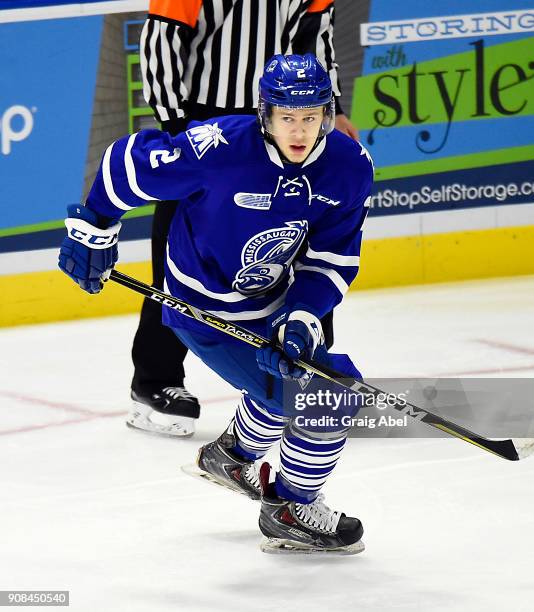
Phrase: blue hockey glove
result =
(299, 332)
(89, 252)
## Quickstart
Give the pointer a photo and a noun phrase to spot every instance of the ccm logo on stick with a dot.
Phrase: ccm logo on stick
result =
(166, 302)
(16, 124)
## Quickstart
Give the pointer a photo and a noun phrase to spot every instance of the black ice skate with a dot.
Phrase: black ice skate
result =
(290, 527)
(217, 463)
(167, 411)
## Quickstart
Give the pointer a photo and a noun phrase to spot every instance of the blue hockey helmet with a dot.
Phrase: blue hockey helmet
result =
(296, 81)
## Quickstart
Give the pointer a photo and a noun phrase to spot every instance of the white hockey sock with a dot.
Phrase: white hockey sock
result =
(306, 461)
(256, 428)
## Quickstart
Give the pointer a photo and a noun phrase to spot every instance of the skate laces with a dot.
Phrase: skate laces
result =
(252, 475)
(318, 515)
(178, 393)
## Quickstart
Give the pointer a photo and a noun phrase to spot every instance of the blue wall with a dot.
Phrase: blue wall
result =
(47, 85)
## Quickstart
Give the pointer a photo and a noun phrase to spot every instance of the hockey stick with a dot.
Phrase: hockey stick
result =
(511, 449)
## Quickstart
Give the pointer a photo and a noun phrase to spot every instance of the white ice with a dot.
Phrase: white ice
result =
(89, 506)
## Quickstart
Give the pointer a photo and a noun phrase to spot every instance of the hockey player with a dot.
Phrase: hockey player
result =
(250, 192)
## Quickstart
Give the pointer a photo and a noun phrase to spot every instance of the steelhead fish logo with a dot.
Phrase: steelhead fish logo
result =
(266, 257)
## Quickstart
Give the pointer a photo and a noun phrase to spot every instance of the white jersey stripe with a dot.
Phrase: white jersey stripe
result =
(260, 49)
(224, 69)
(333, 71)
(144, 64)
(153, 67)
(320, 50)
(243, 56)
(248, 315)
(293, 31)
(193, 283)
(334, 258)
(230, 298)
(278, 36)
(108, 183)
(167, 65)
(273, 154)
(205, 79)
(176, 47)
(336, 278)
(130, 172)
(193, 53)
(315, 153)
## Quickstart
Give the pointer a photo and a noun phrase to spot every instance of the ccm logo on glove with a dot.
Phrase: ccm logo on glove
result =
(92, 237)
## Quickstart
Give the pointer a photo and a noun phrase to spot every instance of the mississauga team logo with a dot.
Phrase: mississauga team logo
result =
(203, 137)
(266, 257)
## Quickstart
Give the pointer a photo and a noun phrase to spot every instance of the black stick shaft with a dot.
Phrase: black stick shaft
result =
(502, 448)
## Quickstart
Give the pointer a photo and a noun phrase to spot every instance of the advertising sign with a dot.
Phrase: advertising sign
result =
(446, 104)
(45, 115)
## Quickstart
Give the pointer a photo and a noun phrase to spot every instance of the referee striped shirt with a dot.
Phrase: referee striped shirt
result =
(212, 52)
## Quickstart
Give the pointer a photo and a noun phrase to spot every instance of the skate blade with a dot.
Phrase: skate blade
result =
(277, 546)
(146, 419)
(194, 471)
(172, 431)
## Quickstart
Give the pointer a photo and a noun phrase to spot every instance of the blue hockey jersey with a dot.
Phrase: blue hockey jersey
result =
(251, 233)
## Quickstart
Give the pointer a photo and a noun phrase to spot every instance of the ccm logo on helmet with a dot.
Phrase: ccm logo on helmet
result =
(303, 92)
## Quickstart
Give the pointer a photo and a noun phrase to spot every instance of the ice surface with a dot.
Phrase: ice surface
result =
(90, 506)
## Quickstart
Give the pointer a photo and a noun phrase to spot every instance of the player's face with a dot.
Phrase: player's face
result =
(295, 130)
